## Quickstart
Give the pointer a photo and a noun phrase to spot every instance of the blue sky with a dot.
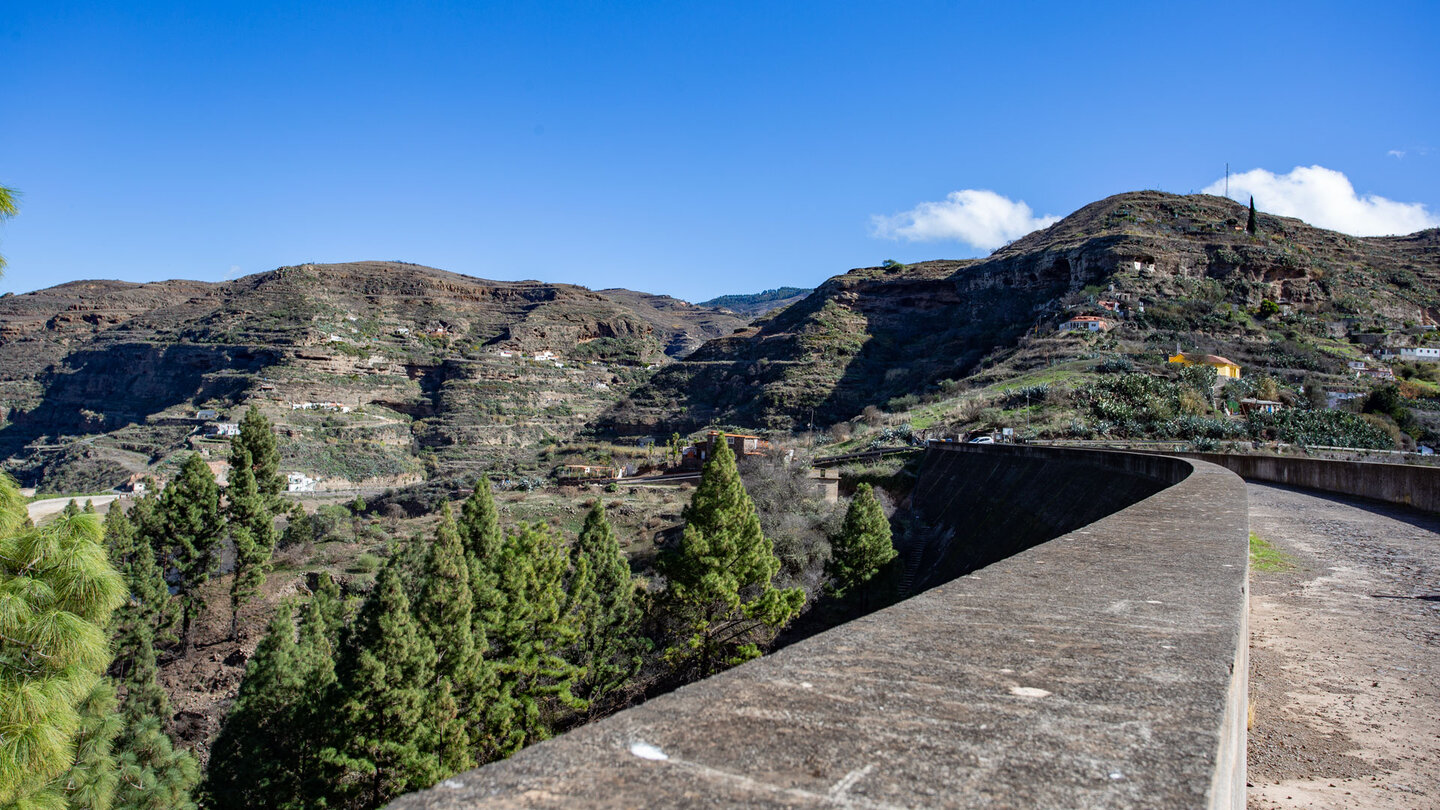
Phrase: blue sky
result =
(693, 149)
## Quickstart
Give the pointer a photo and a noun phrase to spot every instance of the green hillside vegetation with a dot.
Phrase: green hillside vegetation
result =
(757, 304)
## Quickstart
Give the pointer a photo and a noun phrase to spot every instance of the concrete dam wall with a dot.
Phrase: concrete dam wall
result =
(1096, 658)
(1405, 484)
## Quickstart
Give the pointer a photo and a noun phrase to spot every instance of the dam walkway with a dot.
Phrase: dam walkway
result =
(1345, 653)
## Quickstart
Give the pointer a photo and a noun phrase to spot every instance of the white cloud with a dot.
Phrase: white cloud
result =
(976, 217)
(1396, 153)
(1325, 197)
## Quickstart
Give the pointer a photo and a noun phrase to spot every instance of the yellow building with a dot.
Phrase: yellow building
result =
(1223, 367)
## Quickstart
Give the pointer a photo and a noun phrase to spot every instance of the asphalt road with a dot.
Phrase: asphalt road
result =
(39, 510)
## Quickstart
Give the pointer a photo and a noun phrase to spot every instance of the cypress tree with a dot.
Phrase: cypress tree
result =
(720, 590)
(385, 708)
(252, 528)
(529, 640)
(601, 593)
(258, 439)
(58, 591)
(189, 514)
(863, 545)
(1250, 223)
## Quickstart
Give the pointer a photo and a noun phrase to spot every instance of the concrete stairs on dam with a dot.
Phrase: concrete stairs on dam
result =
(1100, 665)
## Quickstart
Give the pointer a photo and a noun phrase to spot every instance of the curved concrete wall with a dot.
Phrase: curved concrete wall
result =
(1408, 484)
(1103, 668)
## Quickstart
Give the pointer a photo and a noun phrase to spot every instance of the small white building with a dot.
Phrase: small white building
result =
(1086, 323)
(299, 482)
(222, 429)
(1411, 354)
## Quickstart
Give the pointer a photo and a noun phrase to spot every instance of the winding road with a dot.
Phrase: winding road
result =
(39, 510)
(1345, 654)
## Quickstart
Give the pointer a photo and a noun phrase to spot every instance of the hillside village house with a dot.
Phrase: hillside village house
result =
(299, 482)
(741, 444)
(134, 485)
(1409, 354)
(1223, 367)
(222, 429)
(584, 471)
(1086, 323)
(1259, 406)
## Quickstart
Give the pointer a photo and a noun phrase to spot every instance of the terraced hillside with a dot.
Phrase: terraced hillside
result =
(1182, 269)
(425, 371)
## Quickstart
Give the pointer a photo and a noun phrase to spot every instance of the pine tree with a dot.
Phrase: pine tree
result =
(720, 590)
(480, 534)
(601, 596)
(863, 545)
(1250, 223)
(153, 773)
(71, 509)
(252, 763)
(57, 590)
(150, 603)
(258, 439)
(189, 515)
(528, 641)
(91, 781)
(310, 717)
(385, 709)
(461, 671)
(252, 528)
(8, 209)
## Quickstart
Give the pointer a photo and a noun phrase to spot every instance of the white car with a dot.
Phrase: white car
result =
(981, 440)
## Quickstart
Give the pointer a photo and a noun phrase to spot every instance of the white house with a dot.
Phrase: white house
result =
(299, 482)
(1086, 323)
(1421, 354)
(222, 429)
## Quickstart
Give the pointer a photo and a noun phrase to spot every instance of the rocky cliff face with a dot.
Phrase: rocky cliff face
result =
(874, 334)
(437, 361)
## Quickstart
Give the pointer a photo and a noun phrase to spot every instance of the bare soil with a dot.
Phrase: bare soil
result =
(1345, 650)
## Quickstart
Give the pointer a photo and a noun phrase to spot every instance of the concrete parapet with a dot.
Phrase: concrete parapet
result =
(1408, 484)
(1103, 668)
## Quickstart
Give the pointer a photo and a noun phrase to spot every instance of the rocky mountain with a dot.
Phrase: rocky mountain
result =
(380, 371)
(879, 334)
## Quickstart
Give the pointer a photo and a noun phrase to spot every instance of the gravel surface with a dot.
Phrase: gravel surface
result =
(1344, 654)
